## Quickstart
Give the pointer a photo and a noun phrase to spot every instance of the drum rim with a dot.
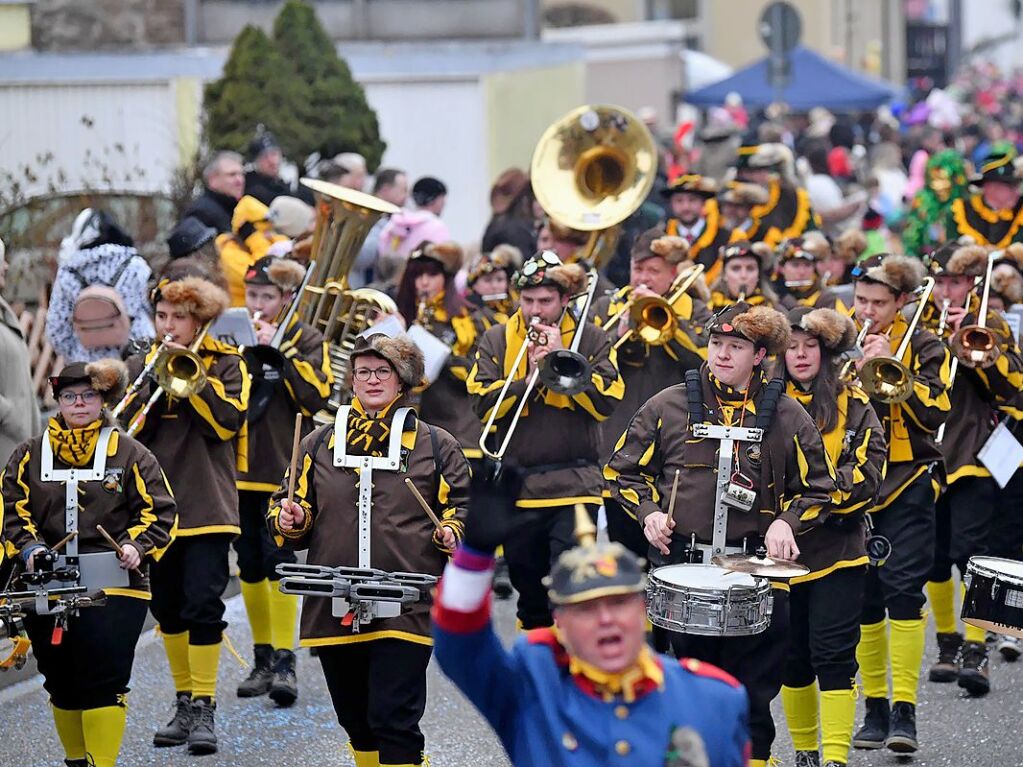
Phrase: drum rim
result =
(978, 566)
(754, 583)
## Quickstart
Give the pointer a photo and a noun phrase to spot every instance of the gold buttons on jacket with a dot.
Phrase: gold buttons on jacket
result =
(622, 712)
(568, 741)
(622, 748)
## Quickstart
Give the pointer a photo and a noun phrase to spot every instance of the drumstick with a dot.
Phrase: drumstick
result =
(671, 502)
(110, 539)
(423, 503)
(294, 457)
(64, 541)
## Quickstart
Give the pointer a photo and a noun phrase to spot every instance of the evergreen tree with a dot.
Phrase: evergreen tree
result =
(257, 87)
(335, 108)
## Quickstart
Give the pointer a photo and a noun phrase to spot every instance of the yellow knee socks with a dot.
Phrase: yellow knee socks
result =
(941, 595)
(176, 646)
(907, 655)
(872, 655)
(203, 660)
(800, 704)
(838, 714)
(366, 758)
(104, 729)
(971, 633)
(69, 730)
(283, 616)
(257, 598)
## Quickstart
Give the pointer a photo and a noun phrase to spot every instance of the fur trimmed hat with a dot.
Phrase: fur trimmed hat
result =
(902, 274)
(654, 242)
(740, 193)
(835, 331)
(850, 245)
(745, 249)
(795, 248)
(200, 298)
(962, 256)
(107, 376)
(504, 256)
(546, 269)
(284, 273)
(691, 183)
(770, 155)
(448, 254)
(1012, 256)
(401, 352)
(1007, 282)
(764, 327)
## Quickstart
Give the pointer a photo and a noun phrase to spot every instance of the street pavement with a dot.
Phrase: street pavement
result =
(955, 730)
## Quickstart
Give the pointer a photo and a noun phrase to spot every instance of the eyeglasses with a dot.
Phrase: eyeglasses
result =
(89, 396)
(363, 374)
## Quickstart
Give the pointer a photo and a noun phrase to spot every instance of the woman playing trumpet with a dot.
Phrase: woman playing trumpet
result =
(745, 274)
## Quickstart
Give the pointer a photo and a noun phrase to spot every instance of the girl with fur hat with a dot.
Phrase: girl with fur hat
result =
(489, 279)
(427, 297)
(745, 276)
(296, 378)
(904, 513)
(376, 672)
(87, 671)
(825, 604)
(200, 442)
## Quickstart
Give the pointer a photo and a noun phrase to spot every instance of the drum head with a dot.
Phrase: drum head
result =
(702, 577)
(997, 565)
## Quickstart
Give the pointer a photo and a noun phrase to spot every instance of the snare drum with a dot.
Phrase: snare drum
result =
(994, 595)
(708, 600)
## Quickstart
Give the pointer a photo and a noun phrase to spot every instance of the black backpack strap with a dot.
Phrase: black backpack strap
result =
(82, 282)
(768, 404)
(694, 393)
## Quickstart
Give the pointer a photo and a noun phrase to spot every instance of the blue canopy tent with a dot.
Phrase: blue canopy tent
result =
(815, 82)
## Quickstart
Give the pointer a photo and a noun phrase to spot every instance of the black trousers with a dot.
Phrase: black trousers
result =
(757, 661)
(378, 689)
(188, 583)
(531, 551)
(897, 587)
(258, 555)
(625, 530)
(1006, 533)
(962, 516)
(824, 626)
(91, 667)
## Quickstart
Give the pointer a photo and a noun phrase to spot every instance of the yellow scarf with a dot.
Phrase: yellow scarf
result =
(515, 335)
(645, 671)
(75, 447)
(834, 440)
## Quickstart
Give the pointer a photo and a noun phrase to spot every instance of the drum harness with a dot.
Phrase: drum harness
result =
(362, 594)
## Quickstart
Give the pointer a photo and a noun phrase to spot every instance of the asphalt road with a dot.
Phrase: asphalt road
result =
(955, 731)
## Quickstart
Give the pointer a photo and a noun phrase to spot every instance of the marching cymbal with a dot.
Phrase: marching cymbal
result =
(765, 567)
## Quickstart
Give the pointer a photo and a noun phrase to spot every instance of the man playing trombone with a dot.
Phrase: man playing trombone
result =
(656, 323)
(905, 372)
(290, 374)
(190, 415)
(545, 403)
(966, 508)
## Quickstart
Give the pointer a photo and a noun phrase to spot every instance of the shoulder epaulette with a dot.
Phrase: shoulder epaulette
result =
(549, 639)
(708, 671)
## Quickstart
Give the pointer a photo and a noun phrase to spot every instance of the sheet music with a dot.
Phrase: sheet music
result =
(1001, 454)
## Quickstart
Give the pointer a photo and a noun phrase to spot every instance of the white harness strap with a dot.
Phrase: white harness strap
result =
(728, 436)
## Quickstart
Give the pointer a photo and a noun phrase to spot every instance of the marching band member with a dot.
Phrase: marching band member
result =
(965, 510)
(194, 439)
(744, 276)
(787, 479)
(696, 218)
(556, 441)
(825, 604)
(376, 675)
(787, 212)
(904, 514)
(489, 279)
(645, 368)
(590, 692)
(993, 216)
(87, 672)
(800, 284)
(295, 379)
(427, 297)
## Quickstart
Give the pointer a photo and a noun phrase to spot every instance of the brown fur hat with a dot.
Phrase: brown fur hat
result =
(401, 352)
(108, 376)
(283, 273)
(765, 327)
(970, 260)
(504, 256)
(200, 298)
(1007, 282)
(903, 274)
(850, 245)
(546, 269)
(655, 242)
(834, 330)
(1013, 256)
(818, 244)
(448, 254)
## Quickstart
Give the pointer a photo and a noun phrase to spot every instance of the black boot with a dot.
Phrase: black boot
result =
(260, 678)
(973, 669)
(177, 729)
(284, 689)
(202, 739)
(76, 763)
(902, 730)
(946, 669)
(875, 725)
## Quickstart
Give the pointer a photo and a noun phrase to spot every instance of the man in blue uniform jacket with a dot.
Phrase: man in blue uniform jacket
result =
(589, 690)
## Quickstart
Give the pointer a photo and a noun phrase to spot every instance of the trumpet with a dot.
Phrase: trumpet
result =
(848, 372)
(976, 346)
(177, 372)
(132, 390)
(887, 379)
(652, 317)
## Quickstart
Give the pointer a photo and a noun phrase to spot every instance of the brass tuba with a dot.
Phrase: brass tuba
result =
(344, 218)
(591, 170)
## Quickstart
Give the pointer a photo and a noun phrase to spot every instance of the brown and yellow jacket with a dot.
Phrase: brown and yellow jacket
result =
(971, 217)
(786, 214)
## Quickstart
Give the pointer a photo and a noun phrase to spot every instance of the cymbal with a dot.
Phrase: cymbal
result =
(765, 567)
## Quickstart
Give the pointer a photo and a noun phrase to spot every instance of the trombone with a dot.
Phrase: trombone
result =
(848, 372)
(976, 346)
(132, 390)
(887, 379)
(653, 317)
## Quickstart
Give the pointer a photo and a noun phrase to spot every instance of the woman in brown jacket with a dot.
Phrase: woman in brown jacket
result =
(86, 671)
(375, 669)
